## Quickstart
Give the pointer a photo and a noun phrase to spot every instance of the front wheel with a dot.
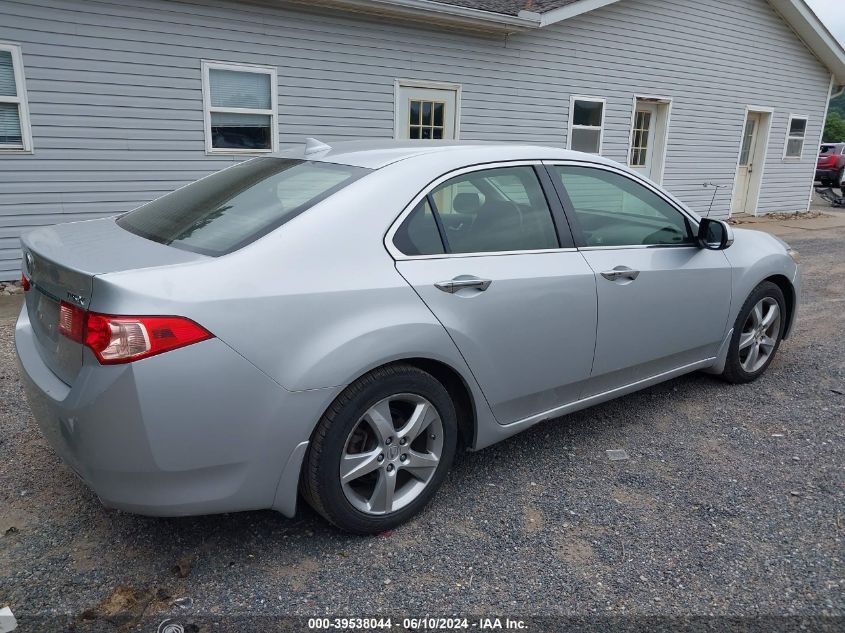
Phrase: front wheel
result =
(381, 451)
(758, 331)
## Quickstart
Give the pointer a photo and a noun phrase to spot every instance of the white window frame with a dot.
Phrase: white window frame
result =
(803, 139)
(208, 108)
(20, 99)
(572, 126)
(398, 84)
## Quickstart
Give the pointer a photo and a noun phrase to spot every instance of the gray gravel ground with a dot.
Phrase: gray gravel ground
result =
(731, 504)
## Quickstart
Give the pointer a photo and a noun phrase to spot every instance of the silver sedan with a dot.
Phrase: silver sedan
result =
(339, 321)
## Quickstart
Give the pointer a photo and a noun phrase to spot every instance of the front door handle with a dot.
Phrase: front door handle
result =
(621, 272)
(459, 283)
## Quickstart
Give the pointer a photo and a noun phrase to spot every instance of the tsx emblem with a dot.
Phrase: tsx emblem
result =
(77, 299)
(30, 263)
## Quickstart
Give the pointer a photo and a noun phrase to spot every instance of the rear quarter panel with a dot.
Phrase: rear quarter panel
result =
(313, 305)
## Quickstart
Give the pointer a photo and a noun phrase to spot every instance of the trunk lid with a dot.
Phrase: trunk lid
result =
(61, 262)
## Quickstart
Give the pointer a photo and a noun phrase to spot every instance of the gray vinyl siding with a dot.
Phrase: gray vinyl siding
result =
(115, 91)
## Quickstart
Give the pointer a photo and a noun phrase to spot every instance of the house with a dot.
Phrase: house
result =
(106, 104)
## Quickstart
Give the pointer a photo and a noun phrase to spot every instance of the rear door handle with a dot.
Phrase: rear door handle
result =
(621, 272)
(459, 283)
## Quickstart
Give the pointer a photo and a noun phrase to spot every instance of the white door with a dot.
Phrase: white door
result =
(426, 113)
(643, 140)
(745, 189)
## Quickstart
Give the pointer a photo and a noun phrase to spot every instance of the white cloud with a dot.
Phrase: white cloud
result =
(832, 13)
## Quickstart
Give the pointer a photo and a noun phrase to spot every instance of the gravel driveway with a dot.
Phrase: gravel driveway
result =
(730, 504)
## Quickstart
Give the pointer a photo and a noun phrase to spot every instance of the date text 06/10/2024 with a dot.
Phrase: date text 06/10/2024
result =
(417, 624)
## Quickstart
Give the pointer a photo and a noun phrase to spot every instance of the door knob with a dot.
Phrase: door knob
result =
(459, 283)
(621, 272)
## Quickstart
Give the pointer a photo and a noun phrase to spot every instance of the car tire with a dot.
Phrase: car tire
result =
(352, 432)
(755, 340)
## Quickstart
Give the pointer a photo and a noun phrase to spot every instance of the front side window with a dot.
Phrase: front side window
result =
(491, 210)
(613, 210)
(795, 134)
(14, 113)
(586, 124)
(228, 210)
(240, 108)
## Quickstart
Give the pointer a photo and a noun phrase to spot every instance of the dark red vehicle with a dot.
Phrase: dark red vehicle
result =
(831, 164)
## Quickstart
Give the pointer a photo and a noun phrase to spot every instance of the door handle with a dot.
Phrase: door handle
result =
(453, 285)
(621, 272)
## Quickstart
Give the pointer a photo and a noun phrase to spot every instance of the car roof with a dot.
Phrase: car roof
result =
(374, 154)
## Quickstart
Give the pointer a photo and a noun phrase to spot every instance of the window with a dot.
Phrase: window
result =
(642, 134)
(613, 210)
(426, 119)
(240, 108)
(228, 210)
(796, 132)
(419, 234)
(491, 210)
(15, 134)
(586, 123)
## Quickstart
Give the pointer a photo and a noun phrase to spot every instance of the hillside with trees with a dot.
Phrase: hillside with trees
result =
(834, 129)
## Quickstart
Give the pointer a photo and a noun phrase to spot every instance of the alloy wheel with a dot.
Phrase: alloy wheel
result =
(759, 335)
(391, 454)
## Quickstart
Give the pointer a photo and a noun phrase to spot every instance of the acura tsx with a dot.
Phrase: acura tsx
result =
(337, 321)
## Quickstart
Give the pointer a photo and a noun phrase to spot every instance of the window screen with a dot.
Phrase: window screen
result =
(240, 102)
(12, 105)
(796, 133)
(587, 116)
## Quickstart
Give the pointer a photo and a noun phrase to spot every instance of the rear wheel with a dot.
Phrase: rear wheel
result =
(758, 331)
(381, 451)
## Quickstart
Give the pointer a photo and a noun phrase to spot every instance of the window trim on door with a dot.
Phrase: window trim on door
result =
(566, 203)
(559, 218)
(398, 84)
(572, 126)
(20, 99)
(659, 101)
(789, 137)
(207, 108)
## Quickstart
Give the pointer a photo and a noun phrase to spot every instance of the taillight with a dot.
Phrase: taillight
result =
(71, 321)
(25, 283)
(124, 339)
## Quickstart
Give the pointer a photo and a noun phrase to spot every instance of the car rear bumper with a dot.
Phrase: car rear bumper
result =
(827, 174)
(198, 430)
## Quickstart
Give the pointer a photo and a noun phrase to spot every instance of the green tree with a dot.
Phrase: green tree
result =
(837, 104)
(834, 128)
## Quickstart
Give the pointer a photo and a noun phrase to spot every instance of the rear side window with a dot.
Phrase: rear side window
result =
(236, 206)
(419, 235)
(827, 149)
(491, 210)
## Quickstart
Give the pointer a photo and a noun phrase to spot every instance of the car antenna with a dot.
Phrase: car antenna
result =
(313, 146)
(715, 191)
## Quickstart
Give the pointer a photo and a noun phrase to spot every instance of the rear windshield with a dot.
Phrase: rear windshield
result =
(228, 210)
(828, 149)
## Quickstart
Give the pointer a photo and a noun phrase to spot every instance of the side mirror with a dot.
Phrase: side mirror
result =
(714, 235)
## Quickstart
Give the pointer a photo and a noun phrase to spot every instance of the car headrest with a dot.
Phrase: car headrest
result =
(466, 202)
